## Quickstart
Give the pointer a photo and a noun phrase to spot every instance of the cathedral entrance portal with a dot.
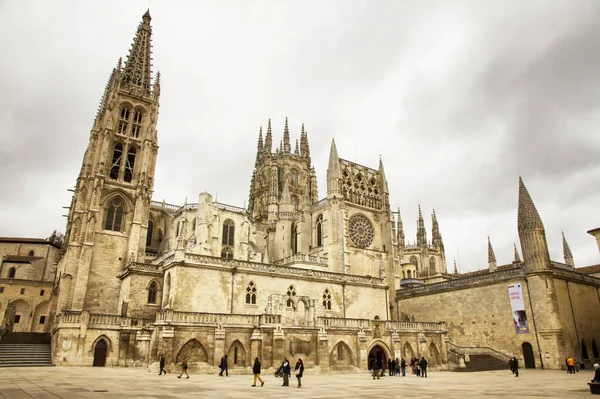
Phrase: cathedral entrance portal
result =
(100, 354)
(377, 353)
(528, 355)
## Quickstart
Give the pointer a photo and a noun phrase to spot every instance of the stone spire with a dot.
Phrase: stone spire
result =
(384, 185)
(156, 88)
(297, 150)
(137, 72)
(421, 233)
(435, 230)
(259, 146)
(455, 268)
(532, 236)
(567, 252)
(491, 256)
(334, 174)
(268, 140)
(517, 257)
(314, 192)
(286, 138)
(304, 147)
(400, 230)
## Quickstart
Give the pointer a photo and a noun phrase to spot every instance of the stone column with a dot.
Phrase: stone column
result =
(256, 346)
(219, 349)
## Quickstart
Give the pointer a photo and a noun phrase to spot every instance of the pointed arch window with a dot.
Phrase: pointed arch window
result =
(124, 120)
(152, 290)
(294, 239)
(326, 300)
(294, 177)
(414, 261)
(136, 128)
(116, 161)
(149, 233)
(291, 292)
(11, 272)
(251, 293)
(114, 215)
(432, 264)
(129, 164)
(228, 232)
(320, 230)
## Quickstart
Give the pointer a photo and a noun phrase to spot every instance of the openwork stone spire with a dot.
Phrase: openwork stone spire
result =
(137, 72)
(259, 145)
(269, 139)
(421, 233)
(568, 255)
(528, 217)
(400, 230)
(287, 148)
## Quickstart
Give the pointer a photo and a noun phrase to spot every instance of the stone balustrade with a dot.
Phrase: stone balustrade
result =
(97, 320)
(303, 258)
(341, 323)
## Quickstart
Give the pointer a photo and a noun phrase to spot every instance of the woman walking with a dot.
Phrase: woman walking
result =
(184, 367)
(256, 372)
(299, 370)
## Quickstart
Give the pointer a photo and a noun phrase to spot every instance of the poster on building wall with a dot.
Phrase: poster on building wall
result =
(517, 304)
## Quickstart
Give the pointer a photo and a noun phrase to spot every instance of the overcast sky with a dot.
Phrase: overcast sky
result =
(459, 98)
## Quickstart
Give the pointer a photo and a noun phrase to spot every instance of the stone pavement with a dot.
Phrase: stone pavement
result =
(91, 382)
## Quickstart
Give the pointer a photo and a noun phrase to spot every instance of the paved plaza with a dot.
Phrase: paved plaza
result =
(88, 382)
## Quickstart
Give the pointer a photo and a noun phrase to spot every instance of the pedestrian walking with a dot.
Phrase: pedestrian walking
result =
(256, 372)
(570, 365)
(374, 370)
(423, 366)
(286, 368)
(514, 366)
(389, 366)
(184, 368)
(224, 367)
(403, 367)
(299, 370)
(162, 365)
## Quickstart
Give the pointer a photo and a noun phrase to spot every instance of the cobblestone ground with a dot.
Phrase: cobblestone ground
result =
(88, 382)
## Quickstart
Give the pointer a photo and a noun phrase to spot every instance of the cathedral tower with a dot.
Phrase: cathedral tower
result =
(108, 217)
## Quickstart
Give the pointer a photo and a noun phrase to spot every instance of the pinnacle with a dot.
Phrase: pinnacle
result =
(147, 14)
(566, 249)
(528, 217)
(517, 257)
(491, 255)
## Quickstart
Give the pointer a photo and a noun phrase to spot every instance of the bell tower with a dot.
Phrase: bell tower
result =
(108, 217)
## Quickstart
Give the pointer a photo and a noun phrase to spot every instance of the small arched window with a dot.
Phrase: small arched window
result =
(320, 230)
(294, 239)
(291, 292)
(116, 161)
(408, 274)
(31, 253)
(11, 272)
(129, 164)
(327, 300)
(432, 264)
(149, 233)
(228, 232)
(414, 261)
(114, 215)
(251, 293)
(152, 289)
(123, 120)
(137, 124)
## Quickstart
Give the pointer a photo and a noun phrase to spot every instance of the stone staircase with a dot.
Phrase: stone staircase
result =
(484, 363)
(25, 349)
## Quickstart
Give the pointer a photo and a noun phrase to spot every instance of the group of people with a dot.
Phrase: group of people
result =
(397, 367)
(285, 371)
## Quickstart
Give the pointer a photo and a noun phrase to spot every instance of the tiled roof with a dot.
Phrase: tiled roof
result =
(588, 269)
(23, 240)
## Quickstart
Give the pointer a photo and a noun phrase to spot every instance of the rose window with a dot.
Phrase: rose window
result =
(361, 231)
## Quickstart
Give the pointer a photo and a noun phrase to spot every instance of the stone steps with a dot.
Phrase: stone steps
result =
(484, 363)
(25, 349)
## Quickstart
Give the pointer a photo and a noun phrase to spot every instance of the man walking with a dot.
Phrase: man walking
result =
(286, 368)
(423, 365)
(403, 367)
(162, 365)
(256, 371)
(184, 367)
(224, 367)
(515, 366)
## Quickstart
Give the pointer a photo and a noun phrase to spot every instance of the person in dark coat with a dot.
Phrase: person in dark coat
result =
(256, 372)
(514, 366)
(403, 367)
(224, 367)
(286, 368)
(299, 370)
(423, 366)
(162, 365)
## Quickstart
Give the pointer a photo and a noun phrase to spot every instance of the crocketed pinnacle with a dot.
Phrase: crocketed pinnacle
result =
(421, 233)
(517, 257)
(528, 217)
(384, 185)
(334, 174)
(400, 230)
(304, 147)
(269, 139)
(297, 149)
(455, 268)
(568, 255)
(491, 255)
(259, 145)
(287, 148)
(137, 72)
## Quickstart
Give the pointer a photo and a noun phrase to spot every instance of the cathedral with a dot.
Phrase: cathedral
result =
(332, 280)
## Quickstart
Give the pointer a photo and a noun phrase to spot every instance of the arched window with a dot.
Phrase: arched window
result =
(137, 124)
(414, 261)
(294, 239)
(251, 293)
(291, 292)
(116, 161)
(129, 163)
(228, 232)
(408, 274)
(320, 230)
(227, 253)
(327, 300)
(149, 233)
(403, 274)
(294, 177)
(31, 253)
(11, 272)
(295, 202)
(432, 264)
(114, 215)
(152, 289)
(123, 120)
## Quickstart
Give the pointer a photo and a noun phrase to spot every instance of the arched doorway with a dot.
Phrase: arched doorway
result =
(528, 355)
(377, 353)
(434, 355)
(408, 352)
(100, 354)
